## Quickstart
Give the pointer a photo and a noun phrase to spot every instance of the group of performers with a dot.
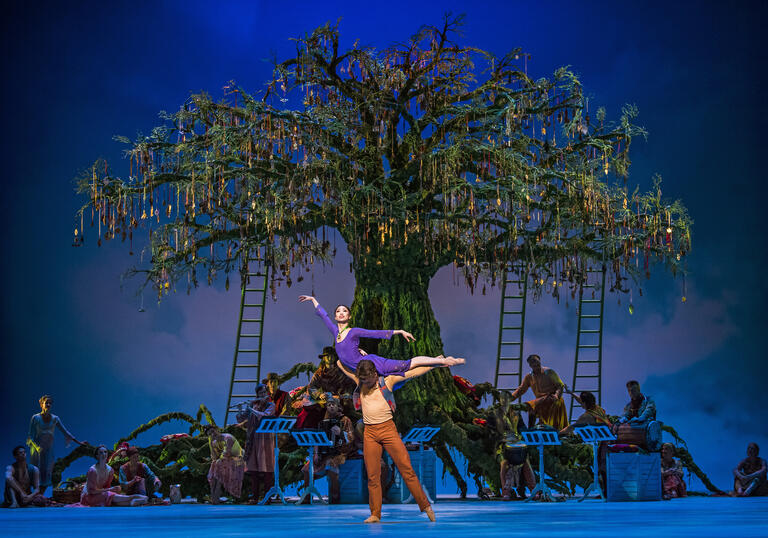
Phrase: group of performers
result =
(372, 380)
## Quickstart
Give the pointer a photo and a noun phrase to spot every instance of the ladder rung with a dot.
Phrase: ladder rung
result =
(590, 331)
(585, 376)
(246, 381)
(590, 300)
(249, 320)
(589, 346)
(513, 281)
(254, 305)
(511, 343)
(514, 312)
(590, 316)
(516, 373)
(255, 289)
(586, 362)
(587, 287)
(255, 274)
(250, 336)
(247, 366)
(248, 350)
(510, 328)
(242, 396)
(513, 296)
(510, 358)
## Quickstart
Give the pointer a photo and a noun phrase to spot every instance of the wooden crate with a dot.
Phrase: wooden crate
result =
(399, 491)
(353, 482)
(634, 476)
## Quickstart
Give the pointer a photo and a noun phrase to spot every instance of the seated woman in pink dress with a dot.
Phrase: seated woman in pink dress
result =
(673, 485)
(98, 490)
(347, 344)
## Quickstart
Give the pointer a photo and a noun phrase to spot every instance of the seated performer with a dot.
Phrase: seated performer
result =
(549, 406)
(374, 396)
(278, 397)
(347, 344)
(327, 460)
(672, 484)
(328, 377)
(259, 452)
(98, 490)
(516, 472)
(22, 483)
(227, 466)
(750, 474)
(137, 477)
(593, 414)
(640, 410)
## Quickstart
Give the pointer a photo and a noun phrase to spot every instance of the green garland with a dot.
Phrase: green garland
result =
(479, 434)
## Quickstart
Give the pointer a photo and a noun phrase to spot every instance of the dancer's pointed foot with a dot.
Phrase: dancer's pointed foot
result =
(372, 519)
(453, 361)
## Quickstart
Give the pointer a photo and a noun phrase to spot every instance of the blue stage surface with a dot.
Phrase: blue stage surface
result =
(693, 516)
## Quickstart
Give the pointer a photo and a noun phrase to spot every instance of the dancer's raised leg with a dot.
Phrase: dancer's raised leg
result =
(436, 361)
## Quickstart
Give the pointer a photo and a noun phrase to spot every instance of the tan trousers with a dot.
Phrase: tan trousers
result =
(384, 436)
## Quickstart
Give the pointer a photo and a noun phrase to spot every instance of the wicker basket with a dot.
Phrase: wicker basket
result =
(69, 494)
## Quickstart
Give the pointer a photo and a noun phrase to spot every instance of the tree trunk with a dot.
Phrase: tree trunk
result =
(390, 296)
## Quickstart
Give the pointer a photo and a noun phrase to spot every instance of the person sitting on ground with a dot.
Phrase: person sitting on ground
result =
(227, 466)
(593, 414)
(327, 460)
(640, 410)
(750, 474)
(259, 452)
(279, 397)
(98, 490)
(22, 483)
(136, 477)
(547, 387)
(672, 484)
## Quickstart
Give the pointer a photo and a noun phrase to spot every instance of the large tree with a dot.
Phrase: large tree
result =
(425, 154)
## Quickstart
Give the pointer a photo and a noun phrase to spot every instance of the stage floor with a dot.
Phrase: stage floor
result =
(694, 516)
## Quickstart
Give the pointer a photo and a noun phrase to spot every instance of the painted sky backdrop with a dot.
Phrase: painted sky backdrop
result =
(75, 76)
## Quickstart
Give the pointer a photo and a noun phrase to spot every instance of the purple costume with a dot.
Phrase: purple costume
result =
(348, 349)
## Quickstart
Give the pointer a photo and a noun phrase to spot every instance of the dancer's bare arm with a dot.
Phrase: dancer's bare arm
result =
(349, 374)
(303, 298)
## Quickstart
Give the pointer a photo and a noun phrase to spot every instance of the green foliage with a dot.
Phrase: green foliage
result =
(185, 461)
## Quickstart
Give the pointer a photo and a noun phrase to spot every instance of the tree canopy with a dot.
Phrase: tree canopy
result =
(420, 155)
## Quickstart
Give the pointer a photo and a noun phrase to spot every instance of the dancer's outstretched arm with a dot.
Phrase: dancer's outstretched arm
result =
(349, 374)
(320, 311)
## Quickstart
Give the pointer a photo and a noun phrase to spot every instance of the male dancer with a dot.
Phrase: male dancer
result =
(374, 396)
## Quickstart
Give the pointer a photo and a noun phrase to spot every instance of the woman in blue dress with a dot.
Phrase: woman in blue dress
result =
(40, 440)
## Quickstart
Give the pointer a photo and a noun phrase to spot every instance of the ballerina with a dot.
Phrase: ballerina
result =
(347, 344)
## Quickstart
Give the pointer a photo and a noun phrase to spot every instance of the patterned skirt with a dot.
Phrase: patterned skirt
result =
(229, 472)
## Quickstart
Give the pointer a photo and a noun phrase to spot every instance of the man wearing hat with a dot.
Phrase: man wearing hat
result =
(277, 396)
(328, 377)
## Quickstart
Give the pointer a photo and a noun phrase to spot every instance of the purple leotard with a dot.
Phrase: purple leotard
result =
(348, 349)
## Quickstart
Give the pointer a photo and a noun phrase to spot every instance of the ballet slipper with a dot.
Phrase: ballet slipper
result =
(453, 361)
(372, 519)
